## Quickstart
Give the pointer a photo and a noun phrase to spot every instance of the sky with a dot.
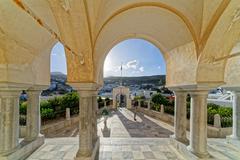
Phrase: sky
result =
(58, 59)
(138, 58)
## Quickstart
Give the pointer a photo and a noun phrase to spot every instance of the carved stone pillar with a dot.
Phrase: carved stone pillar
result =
(235, 137)
(9, 118)
(198, 123)
(33, 114)
(180, 117)
(9, 121)
(149, 105)
(236, 115)
(88, 140)
(94, 117)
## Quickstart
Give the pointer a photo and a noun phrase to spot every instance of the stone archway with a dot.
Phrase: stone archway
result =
(121, 90)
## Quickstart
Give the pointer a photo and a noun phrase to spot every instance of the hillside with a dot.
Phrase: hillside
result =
(157, 80)
(59, 86)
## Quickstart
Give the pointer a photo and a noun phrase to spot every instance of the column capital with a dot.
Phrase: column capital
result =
(198, 92)
(203, 86)
(180, 92)
(85, 86)
(38, 88)
(14, 86)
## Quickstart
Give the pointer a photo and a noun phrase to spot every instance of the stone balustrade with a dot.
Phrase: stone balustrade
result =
(212, 131)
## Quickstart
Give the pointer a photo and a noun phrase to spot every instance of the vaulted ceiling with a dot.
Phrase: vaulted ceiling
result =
(88, 29)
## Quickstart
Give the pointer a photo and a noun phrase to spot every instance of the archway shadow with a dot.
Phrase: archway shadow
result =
(145, 128)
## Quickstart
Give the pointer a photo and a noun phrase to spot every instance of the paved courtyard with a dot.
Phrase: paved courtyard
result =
(121, 124)
(122, 139)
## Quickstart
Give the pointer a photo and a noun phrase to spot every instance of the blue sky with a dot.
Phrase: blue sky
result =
(58, 59)
(138, 58)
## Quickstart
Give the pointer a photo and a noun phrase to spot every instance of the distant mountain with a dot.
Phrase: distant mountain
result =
(59, 86)
(157, 80)
(57, 73)
(58, 76)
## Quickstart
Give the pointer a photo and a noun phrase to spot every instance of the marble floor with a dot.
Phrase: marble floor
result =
(125, 139)
(121, 124)
(110, 149)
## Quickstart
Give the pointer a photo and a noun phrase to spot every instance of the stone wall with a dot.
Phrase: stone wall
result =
(213, 132)
(53, 128)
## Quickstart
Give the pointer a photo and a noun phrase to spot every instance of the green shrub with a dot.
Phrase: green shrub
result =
(224, 112)
(105, 112)
(141, 103)
(22, 120)
(170, 103)
(47, 113)
(188, 110)
(99, 99)
(55, 102)
(45, 104)
(70, 100)
(159, 99)
(169, 110)
(155, 107)
(216, 109)
(100, 102)
(213, 106)
(188, 98)
(136, 98)
(107, 101)
(23, 108)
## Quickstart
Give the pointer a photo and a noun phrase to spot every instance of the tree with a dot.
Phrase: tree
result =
(159, 99)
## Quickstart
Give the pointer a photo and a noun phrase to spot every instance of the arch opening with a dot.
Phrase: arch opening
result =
(126, 65)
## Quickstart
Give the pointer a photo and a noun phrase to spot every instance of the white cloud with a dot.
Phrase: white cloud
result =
(159, 67)
(132, 64)
(141, 69)
(54, 54)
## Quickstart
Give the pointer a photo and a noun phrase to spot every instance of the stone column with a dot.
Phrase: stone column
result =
(236, 115)
(149, 104)
(9, 120)
(94, 117)
(162, 108)
(180, 116)
(198, 123)
(68, 115)
(88, 140)
(33, 115)
(139, 103)
(217, 121)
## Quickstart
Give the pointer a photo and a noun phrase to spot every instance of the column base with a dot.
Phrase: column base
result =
(182, 140)
(232, 137)
(27, 140)
(200, 155)
(234, 140)
(24, 150)
(94, 155)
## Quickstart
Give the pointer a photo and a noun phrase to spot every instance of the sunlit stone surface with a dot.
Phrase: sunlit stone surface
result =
(199, 40)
